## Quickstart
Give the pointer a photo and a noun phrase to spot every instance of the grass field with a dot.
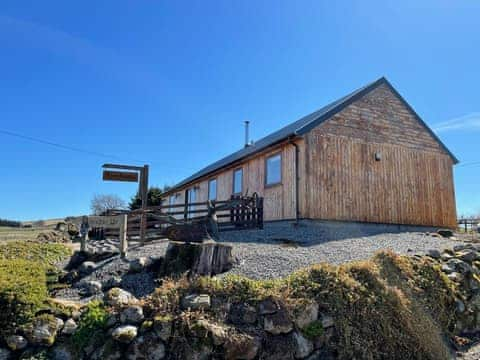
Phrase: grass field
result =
(14, 234)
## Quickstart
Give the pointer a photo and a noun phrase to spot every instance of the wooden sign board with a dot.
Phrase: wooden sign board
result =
(111, 222)
(120, 176)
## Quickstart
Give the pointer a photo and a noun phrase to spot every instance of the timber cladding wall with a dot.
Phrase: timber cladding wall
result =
(411, 184)
(279, 200)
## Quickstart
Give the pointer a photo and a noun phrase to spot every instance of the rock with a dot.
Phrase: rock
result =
(111, 282)
(327, 321)
(196, 302)
(162, 325)
(87, 268)
(241, 314)
(5, 354)
(119, 297)
(455, 276)
(63, 352)
(148, 347)
(460, 247)
(434, 253)
(467, 255)
(139, 265)
(460, 266)
(125, 333)
(197, 258)
(322, 354)
(281, 347)
(42, 331)
(60, 323)
(76, 260)
(460, 306)
(303, 346)
(446, 233)
(306, 314)
(70, 277)
(112, 320)
(268, 306)
(446, 256)
(91, 287)
(242, 347)
(447, 269)
(16, 342)
(278, 323)
(132, 315)
(110, 350)
(218, 333)
(69, 327)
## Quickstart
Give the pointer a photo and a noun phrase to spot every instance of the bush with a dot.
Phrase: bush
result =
(47, 254)
(22, 292)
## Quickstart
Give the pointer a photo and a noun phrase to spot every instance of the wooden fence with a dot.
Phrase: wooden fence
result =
(468, 224)
(240, 212)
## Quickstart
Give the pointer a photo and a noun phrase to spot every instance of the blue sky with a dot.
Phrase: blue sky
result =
(170, 83)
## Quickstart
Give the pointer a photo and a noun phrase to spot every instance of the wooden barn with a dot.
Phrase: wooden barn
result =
(366, 157)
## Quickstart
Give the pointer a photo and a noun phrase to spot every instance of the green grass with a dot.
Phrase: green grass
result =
(46, 254)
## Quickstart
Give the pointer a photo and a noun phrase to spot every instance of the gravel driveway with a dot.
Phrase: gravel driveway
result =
(278, 250)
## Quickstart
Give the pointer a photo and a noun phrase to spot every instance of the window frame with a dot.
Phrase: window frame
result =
(266, 184)
(233, 181)
(216, 189)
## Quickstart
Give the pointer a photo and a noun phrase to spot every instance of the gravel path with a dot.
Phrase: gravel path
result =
(277, 259)
(277, 251)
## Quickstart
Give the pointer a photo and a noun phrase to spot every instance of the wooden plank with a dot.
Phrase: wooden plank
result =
(126, 176)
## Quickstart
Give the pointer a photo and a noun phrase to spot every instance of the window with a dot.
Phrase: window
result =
(212, 189)
(237, 181)
(171, 201)
(273, 169)
(191, 198)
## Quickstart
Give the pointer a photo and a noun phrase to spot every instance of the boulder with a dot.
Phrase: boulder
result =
(125, 333)
(196, 302)
(268, 306)
(139, 265)
(280, 347)
(111, 282)
(119, 297)
(132, 315)
(42, 331)
(455, 276)
(62, 352)
(76, 260)
(218, 333)
(16, 342)
(5, 354)
(110, 350)
(446, 233)
(241, 314)
(242, 347)
(327, 321)
(306, 314)
(148, 346)
(162, 325)
(434, 253)
(447, 269)
(467, 255)
(303, 346)
(460, 247)
(459, 265)
(197, 258)
(87, 267)
(91, 287)
(69, 327)
(277, 323)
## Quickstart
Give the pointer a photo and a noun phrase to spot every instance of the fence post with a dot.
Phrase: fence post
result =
(123, 235)
(84, 234)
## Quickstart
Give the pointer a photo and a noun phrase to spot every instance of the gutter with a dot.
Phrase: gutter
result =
(297, 207)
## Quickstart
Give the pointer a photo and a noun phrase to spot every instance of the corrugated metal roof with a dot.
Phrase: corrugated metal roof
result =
(297, 128)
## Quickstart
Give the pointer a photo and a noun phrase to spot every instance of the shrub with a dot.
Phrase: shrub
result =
(313, 330)
(47, 254)
(22, 292)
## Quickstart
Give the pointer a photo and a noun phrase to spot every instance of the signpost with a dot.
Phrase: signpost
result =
(131, 174)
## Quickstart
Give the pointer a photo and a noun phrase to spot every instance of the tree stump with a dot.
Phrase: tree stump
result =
(194, 232)
(208, 258)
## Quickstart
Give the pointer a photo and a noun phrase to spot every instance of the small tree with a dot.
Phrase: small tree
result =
(102, 202)
(154, 197)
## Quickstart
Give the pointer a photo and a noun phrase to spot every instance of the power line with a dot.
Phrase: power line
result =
(67, 147)
(467, 164)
